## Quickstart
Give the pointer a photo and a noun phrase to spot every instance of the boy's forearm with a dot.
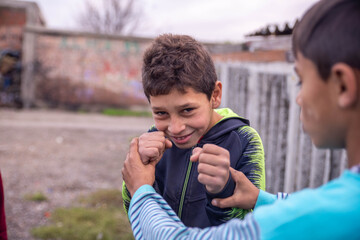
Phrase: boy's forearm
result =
(153, 218)
(218, 215)
(147, 204)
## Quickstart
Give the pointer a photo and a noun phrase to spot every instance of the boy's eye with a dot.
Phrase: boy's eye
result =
(299, 80)
(299, 83)
(188, 110)
(159, 113)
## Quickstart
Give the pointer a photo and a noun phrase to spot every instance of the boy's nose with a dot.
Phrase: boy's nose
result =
(176, 126)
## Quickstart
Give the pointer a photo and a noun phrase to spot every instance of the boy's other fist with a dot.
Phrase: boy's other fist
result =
(213, 168)
(152, 146)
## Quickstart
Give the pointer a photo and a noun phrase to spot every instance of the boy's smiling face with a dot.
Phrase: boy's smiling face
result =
(185, 117)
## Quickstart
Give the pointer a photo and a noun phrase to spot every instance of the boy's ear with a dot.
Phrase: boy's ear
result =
(347, 84)
(216, 95)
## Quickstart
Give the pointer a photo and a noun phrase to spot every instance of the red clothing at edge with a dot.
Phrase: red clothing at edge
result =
(3, 233)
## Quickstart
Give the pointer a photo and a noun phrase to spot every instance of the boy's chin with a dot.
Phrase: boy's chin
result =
(326, 144)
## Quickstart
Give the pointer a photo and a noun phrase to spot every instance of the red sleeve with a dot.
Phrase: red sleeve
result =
(3, 233)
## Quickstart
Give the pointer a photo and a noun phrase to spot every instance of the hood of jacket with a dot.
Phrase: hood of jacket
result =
(230, 121)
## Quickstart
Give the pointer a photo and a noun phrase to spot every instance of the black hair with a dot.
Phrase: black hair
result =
(329, 33)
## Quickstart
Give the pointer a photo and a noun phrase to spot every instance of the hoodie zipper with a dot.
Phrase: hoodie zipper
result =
(185, 186)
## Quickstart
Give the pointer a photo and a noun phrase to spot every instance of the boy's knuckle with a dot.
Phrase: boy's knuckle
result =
(201, 168)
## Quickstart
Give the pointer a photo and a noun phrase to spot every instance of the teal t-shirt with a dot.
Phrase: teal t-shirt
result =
(329, 212)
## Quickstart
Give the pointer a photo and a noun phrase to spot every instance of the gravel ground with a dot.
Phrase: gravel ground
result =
(62, 154)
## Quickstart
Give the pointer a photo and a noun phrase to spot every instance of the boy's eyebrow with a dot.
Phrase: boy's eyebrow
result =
(186, 105)
(156, 108)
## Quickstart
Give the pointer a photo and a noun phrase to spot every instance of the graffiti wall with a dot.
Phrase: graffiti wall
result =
(77, 71)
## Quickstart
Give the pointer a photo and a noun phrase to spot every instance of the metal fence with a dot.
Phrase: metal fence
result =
(265, 94)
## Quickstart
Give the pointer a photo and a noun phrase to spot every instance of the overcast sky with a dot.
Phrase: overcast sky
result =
(206, 20)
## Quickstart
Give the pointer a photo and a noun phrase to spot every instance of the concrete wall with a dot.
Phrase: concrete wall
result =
(73, 69)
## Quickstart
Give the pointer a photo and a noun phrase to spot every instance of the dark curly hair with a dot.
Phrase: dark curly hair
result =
(177, 62)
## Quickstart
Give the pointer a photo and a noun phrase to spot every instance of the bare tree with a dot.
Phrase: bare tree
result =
(114, 17)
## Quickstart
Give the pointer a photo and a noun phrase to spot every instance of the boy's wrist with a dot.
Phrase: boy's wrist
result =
(227, 191)
(144, 189)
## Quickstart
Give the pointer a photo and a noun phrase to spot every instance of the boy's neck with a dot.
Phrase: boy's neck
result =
(353, 147)
(216, 118)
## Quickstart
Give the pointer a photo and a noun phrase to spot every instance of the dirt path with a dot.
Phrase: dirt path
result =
(61, 154)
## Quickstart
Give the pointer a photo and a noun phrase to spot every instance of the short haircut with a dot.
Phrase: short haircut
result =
(329, 33)
(177, 62)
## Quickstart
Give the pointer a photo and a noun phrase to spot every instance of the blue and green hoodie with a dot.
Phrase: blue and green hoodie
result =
(176, 176)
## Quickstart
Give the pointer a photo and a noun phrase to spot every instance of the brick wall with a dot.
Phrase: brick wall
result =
(12, 16)
(12, 21)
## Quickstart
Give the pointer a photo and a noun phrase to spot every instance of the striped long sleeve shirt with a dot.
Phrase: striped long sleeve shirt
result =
(329, 212)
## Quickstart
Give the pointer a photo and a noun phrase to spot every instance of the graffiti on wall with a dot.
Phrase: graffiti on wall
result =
(102, 70)
(73, 43)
